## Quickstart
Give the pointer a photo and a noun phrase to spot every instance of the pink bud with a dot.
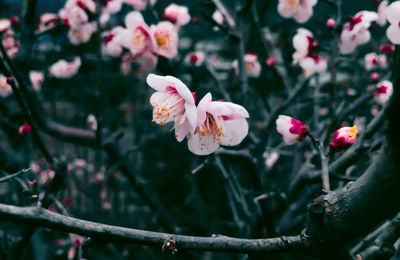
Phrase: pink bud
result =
(24, 129)
(270, 61)
(331, 22)
(15, 19)
(387, 49)
(343, 138)
(374, 76)
(10, 80)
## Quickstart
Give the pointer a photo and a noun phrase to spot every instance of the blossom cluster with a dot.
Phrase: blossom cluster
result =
(207, 126)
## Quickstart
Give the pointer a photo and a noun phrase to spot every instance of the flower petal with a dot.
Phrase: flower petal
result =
(236, 131)
(202, 144)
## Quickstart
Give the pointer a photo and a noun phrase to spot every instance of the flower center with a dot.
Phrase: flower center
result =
(161, 38)
(169, 108)
(381, 90)
(212, 126)
(353, 131)
(354, 20)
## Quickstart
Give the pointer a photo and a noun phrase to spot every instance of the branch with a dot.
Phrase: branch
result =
(12, 176)
(44, 218)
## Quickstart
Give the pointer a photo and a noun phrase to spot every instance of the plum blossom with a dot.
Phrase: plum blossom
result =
(374, 61)
(165, 39)
(5, 88)
(109, 7)
(136, 36)
(91, 122)
(111, 44)
(47, 22)
(177, 14)
(82, 34)
(218, 17)
(64, 70)
(139, 4)
(382, 13)
(270, 61)
(306, 53)
(356, 31)
(10, 44)
(5, 24)
(173, 102)
(37, 78)
(218, 123)
(393, 16)
(300, 10)
(24, 129)
(291, 129)
(253, 66)
(331, 22)
(271, 158)
(383, 91)
(76, 12)
(343, 138)
(195, 58)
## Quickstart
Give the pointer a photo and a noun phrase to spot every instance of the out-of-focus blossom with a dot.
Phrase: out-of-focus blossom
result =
(48, 21)
(165, 39)
(331, 22)
(5, 88)
(136, 36)
(195, 58)
(82, 34)
(91, 122)
(139, 4)
(10, 44)
(374, 76)
(4, 24)
(382, 13)
(343, 138)
(111, 44)
(387, 49)
(307, 54)
(356, 31)
(142, 63)
(383, 91)
(393, 16)
(374, 61)
(300, 10)
(218, 123)
(252, 65)
(291, 129)
(271, 158)
(24, 129)
(109, 7)
(15, 19)
(76, 12)
(177, 14)
(64, 70)
(37, 78)
(173, 102)
(218, 17)
(270, 61)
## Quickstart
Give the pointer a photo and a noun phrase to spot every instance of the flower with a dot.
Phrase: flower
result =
(10, 44)
(165, 39)
(82, 34)
(111, 44)
(331, 22)
(64, 70)
(253, 67)
(383, 91)
(139, 4)
(91, 122)
(343, 138)
(306, 53)
(24, 129)
(374, 76)
(270, 61)
(218, 17)
(387, 49)
(177, 14)
(393, 16)
(195, 58)
(109, 7)
(37, 78)
(356, 31)
(136, 36)
(76, 12)
(218, 123)
(4, 24)
(382, 13)
(291, 129)
(300, 10)
(374, 61)
(271, 158)
(47, 21)
(5, 88)
(173, 102)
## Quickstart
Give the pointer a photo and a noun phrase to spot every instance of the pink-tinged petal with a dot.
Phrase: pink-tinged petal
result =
(201, 108)
(393, 33)
(303, 13)
(182, 89)
(382, 13)
(202, 144)
(158, 98)
(347, 47)
(159, 83)
(134, 19)
(300, 41)
(182, 130)
(227, 109)
(363, 37)
(291, 133)
(191, 116)
(236, 131)
(392, 13)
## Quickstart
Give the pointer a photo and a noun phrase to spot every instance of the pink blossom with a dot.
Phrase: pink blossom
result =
(136, 36)
(356, 31)
(37, 78)
(331, 22)
(144, 62)
(24, 129)
(109, 7)
(5, 88)
(195, 58)
(64, 70)
(374, 61)
(218, 123)
(91, 122)
(47, 21)
(76, 12)
(173, 102)
(393, 16)
(383, 91)
(374, 76)
(343, 138)
(387, 49)
(82, 34)
(218, 17)
(306, 53)
(271, 158)
(300, 10)
(138, 4)
(177, 14)
(165, 39)
(270, 61)
(382, 13)
(253, 66)
(291, 129)
(9, 43)
(4, 24)
(111, 44)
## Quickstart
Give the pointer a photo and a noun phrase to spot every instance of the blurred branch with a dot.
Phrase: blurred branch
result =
(13, 175)
(44, 218)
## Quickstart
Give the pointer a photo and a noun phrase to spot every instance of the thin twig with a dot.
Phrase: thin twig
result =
(12, 176)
